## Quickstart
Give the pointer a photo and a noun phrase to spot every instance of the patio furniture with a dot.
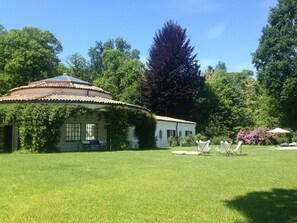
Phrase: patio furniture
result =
(203, 146)
(224, 148)
(285, 144)
(93, 145)
(238, 148)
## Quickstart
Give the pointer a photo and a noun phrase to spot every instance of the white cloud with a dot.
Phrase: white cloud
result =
(216, 31)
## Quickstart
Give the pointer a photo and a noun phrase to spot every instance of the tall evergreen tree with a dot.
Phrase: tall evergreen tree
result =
(276, 63)
(172, 73)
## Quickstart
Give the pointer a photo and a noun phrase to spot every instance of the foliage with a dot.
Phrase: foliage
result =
(145, 126)
(187, 141)
(120, 118)
(294, 137)
(282, 139)
(232, 102)
(117, 121)
(78, 67)
(27, 55)
(217, 139)
(257, 136)
(115, 67)
(172, 73)
(200, 136)
(39, 124)
(275, 61)
(172, 141)
(220, 66)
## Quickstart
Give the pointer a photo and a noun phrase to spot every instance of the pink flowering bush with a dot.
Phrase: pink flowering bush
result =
(257, 136)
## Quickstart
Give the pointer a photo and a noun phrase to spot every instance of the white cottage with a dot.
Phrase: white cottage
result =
(173, 127)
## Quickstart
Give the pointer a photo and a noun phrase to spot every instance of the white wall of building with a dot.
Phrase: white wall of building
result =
(179, 128)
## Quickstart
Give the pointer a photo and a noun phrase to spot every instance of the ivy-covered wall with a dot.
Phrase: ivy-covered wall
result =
(120, 118)
(145, 127)
(40, 124)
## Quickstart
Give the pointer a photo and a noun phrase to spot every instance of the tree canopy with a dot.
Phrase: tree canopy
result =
(78, 67)
(172, 73)
(26, 55)
(276, 62)
(115, 67)
(231, 102)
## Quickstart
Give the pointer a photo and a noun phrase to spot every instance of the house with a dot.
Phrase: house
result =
(172, 127)
(78, 132)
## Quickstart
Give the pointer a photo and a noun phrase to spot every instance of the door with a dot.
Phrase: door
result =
(8, 138)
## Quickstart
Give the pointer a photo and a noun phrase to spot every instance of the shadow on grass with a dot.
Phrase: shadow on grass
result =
(278, 205)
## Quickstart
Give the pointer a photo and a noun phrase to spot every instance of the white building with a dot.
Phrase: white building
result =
(76, 132)
(167, 127)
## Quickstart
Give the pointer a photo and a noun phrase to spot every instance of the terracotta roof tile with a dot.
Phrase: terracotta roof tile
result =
(66, 98)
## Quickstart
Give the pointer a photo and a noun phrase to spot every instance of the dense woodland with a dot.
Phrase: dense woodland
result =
(171, 82)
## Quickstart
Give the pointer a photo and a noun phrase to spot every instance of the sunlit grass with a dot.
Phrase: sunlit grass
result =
(138, 186)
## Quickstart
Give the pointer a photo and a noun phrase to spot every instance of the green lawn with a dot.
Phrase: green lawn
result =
(149, 186)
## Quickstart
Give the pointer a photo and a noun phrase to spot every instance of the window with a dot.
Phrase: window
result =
(170, 133)
(91, 131)
(72, 132)
(188, 133)
(160, 134)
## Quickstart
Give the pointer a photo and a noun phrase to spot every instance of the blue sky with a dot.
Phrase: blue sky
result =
(220, 30)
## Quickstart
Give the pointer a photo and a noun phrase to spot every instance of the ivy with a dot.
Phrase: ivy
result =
(40, 124)
(117, 124)
(145, 126)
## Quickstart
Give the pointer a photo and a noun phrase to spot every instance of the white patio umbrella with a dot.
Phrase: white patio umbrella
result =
(278, 130)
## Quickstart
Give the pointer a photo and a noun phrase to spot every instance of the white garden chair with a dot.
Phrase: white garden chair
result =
(203, 146)
(224, 148)
(238, 148)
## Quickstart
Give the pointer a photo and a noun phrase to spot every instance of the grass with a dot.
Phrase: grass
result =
(149, 186)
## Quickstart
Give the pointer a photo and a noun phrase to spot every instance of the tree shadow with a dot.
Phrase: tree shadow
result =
(278, 205)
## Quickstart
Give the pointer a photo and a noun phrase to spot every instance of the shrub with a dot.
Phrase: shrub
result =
(187, 141)
(257, 136)
(200, 136)
(172, 141)
(216, 139)
(282, 139)
(294, 136)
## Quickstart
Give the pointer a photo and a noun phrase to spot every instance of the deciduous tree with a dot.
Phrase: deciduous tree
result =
(116, 68)
(276, 62)
(26, 55)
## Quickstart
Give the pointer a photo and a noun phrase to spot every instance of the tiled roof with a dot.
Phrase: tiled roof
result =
(169, 119)
(66, 98)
